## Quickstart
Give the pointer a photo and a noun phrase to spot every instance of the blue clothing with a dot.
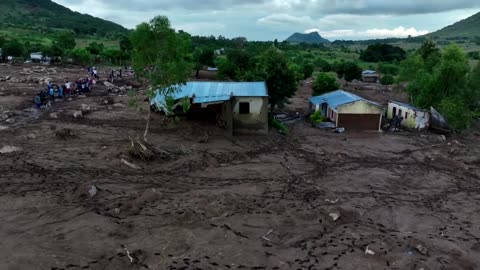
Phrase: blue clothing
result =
(60, 91)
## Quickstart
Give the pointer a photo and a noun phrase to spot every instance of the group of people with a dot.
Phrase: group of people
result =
(67, 89)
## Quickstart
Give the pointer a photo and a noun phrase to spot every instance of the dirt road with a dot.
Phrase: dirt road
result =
(312, 200)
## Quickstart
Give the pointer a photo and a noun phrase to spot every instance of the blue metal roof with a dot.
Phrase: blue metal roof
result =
(209, 92)
(338, 98)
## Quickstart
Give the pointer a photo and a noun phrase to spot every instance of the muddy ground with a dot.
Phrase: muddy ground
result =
(309, 200)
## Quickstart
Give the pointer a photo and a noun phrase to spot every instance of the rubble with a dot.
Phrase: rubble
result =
(77, 114)
(10, 149)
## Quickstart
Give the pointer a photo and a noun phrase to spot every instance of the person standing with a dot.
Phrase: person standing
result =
(38, 101)
(68, 86)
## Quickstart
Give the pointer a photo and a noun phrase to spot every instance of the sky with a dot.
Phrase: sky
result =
(278, 19)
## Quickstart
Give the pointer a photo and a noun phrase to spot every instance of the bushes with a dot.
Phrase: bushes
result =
(274, 123)
(382, 53)
(391, 69)
(317, 117)
(458, 117)
(387, 80)
(80, 56)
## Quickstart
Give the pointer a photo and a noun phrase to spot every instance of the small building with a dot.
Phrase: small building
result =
(370, 76)
(36, 56)
(348, 110)
(413, 118)
(242, 106)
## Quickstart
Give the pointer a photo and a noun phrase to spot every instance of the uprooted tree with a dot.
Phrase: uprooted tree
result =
(160, 58)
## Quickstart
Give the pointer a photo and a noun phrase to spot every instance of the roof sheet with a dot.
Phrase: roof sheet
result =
(209, 92)
(368, 71)
(338, 98)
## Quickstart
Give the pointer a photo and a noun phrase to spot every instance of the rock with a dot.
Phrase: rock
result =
(82, 96)
(334, 216)
(85, 108)
(10, 149)
(369, 251)
(31, 136)
(119, 105)
(77, 114)
(123, 88)
(54, 115)
(442, 138)
(8, 78)
(2, 94)
(109, 85)
(131, 165)
(129, 87)
(92, 191)
(3, 128)
(419, 246)
(10, 121)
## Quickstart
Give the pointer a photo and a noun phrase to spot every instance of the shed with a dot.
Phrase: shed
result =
(370, 76)
(348, 110)
(242, 106)
(413, 118)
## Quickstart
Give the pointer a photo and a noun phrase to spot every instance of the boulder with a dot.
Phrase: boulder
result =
(2, 94)
(3, 128)
(8, 78)
(9, 149)
(54, 115)
(119, 105)
(10, 121)
(109, 85)
(85, 108)
(77, 114)
(31, 136)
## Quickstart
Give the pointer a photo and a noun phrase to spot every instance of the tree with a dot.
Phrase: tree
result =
(387, 80)
(307, 69)
(160, 58)
(352, 71)
(203, 57)
(275, 43)
(125, 44)
(428, 48)
(65, 40)
(80, 56)
(13, 47)
(280, 80)
(324, 83)
(382, 53)
(2, 41)
(95, 48)
(323, 65)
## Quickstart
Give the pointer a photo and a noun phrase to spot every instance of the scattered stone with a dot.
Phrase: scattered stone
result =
(85, 108)
(119, 105)
(77, 114)
(54, 115)
(82, 96)
(2, 94)
(31, 136)
(419, 247)
(92, 191)
(369, 251)
(131, 165)
(10, 149)
(443, 138)
(109, 85)
(8, 78)
(334, 216)
(65, 133)
(332, 201)
(10, 121)
(3, 128)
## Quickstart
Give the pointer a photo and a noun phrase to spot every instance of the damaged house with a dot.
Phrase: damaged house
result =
(241, 107)
(348, 111)
(413, 118)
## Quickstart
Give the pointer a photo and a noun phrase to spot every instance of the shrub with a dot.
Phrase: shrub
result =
(387, 80)
(274, 123)
(457, 116)
(317, 117)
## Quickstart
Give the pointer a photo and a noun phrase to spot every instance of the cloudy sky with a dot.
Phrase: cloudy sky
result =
(270, 19)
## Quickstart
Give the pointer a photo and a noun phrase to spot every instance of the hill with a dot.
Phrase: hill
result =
(45, 16)
(469, 27)
(312, 38)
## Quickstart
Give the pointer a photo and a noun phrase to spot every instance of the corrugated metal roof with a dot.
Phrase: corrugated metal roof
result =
(209, 92)
(406, 105)
(338, 98)
(368, 71)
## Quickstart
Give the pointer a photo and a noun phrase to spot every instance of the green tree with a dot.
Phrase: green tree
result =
(203, 57)
(472, 93)
(428, 48)
(324, 83)
(65, 40)
(387, 80)
(80, 56)
(2, 41)
(352, 71)
(125, 44)
(13, 47)
(382, 53)
(323, 65)
(95, 48)
(280, 80)
(457, 116)
(307, 70)
(160, 58)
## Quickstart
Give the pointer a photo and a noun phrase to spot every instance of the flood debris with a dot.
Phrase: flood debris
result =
(369, 251)
(334, 216)
(93, 191)
(129, 164)
(140, 149)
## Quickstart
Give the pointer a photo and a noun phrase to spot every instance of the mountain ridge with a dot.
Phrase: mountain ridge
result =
(310, 38)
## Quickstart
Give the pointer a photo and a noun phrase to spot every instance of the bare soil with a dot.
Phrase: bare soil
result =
(309, 200)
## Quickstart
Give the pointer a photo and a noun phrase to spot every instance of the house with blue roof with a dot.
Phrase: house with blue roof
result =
(370, 76)
(413, 118)
(348, 111)
(240, 107)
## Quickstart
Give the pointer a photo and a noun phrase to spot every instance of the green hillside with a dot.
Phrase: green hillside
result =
(467, 28)
(45, 16)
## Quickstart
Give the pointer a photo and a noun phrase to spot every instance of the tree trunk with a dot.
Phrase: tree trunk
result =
(147, 125)
(198, 73)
